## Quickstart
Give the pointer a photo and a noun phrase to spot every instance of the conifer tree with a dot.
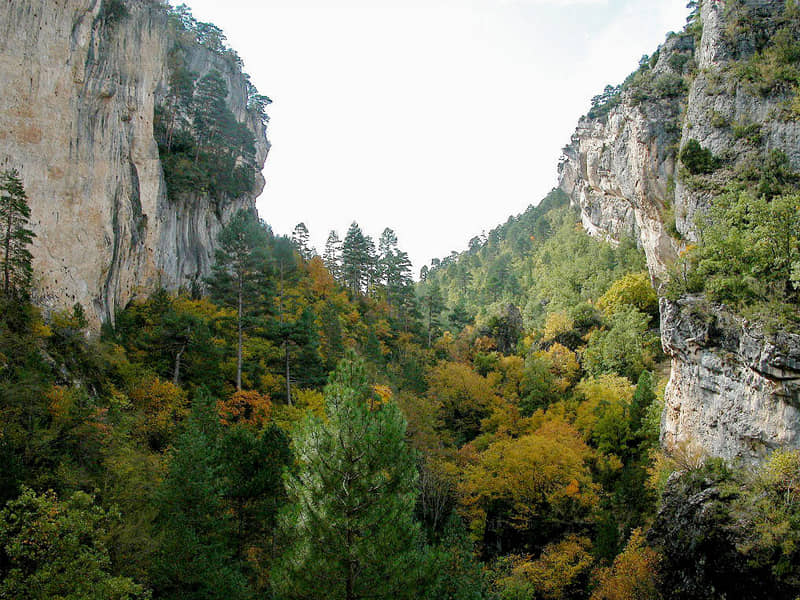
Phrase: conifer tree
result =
(300, 238)
(240, 276)
(350, 520)
(197, 552)
(357, 258)
(394, 267)
(286, 268)
(15, 237)
(332, 257)
(210, 110)
(433, 304)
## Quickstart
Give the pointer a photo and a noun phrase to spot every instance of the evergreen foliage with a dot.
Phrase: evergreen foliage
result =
(240, 276)
(204, 148)
(748, 257)
(350, 522)
(15, 237)
(697, 159)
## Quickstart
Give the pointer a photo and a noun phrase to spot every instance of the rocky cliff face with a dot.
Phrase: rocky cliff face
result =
(81, 84)
(733, 388)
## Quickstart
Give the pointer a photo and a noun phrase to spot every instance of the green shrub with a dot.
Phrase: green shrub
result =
(748, 131)
(749, 254)
(678, 61)
(718, 120)
(113, 11)
(669, 85)
(697, 159)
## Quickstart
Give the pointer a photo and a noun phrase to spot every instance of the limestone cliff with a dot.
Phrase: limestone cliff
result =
(733, 387)
(81, 81)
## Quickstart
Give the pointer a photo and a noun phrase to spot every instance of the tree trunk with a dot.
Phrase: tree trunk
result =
(349, 592)
(285, 342)
(288, 376)
(239, 348)
(170, 132)
(176, 374)
(6, 264)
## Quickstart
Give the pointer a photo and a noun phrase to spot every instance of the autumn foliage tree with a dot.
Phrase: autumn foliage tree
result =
(52, 548)
(523, 491)
(634, 574)
(464, 398)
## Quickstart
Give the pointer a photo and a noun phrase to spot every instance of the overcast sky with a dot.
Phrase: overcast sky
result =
(437, 118)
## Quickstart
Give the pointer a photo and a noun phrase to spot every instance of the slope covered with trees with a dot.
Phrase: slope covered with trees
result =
(193, 450)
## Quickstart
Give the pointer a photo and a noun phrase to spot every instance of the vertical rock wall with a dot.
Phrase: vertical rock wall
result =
(76, 119)
(733, 388)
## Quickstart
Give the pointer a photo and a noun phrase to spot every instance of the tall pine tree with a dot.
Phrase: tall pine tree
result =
(300, 238)
(240, 276)
(15, 237)
(357, 259)
(350, 522)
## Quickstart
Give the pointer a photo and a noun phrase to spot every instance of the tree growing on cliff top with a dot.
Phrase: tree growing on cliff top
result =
(15, 237)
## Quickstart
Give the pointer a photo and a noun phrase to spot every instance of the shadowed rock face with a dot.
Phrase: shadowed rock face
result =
(76, 119)
(735, 391)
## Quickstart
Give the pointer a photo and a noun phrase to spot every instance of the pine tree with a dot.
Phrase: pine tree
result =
(15, 237)
(387, 246)
(196, 557)
(433, 304)
(394, 266)
(300, 238)
(350, 521)
(370, 265)
(240, 276)
(284, 259)
(252, 465)
(357, 258)
(210, 111)
(423, 273)
(332, 257)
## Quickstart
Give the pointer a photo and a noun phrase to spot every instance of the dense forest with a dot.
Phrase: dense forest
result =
(307, 425)
(304, 427)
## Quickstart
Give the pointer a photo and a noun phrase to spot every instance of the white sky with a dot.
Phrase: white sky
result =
(437, 118)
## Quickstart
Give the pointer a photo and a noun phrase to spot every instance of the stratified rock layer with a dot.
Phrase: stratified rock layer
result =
(76, 119)
(733, 389)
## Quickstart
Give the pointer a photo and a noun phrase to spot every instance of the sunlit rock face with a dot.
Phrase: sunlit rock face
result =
(76, 119)
(733, 389)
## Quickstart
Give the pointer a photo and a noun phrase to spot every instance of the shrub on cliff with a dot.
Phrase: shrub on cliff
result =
(697, 159)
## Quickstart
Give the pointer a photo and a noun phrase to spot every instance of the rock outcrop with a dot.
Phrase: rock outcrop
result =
(81, 84)
(733, 388)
